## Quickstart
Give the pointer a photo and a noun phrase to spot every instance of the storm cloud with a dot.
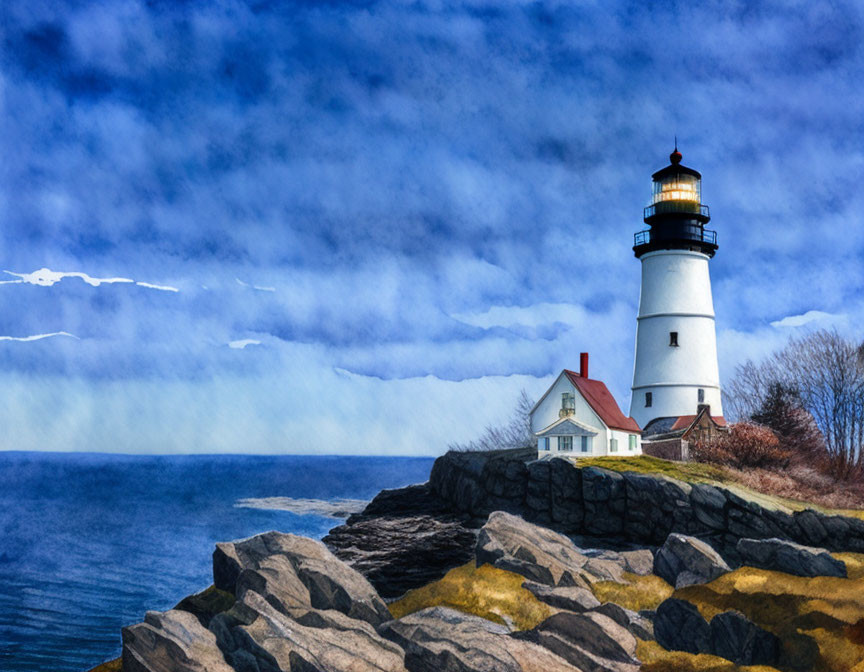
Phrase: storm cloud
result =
(391, 196)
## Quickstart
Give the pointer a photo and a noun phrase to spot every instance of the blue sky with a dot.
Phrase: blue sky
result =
(364, 226)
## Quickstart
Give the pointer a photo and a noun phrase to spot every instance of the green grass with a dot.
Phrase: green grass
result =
(691, 472)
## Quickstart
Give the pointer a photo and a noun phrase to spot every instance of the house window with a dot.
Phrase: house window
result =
(613, 445)
(648, 399)
(701, 396)
(673, 339)
(568, 401)
(546, 443)
(632, 442)
(565, 443)
(586, 444)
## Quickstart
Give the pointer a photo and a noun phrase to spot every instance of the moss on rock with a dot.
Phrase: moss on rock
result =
(485, 591)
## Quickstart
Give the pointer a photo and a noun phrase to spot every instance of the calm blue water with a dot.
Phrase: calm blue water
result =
(89, 542)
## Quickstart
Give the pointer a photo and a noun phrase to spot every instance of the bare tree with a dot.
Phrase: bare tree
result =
(515, 434)
(826, 373)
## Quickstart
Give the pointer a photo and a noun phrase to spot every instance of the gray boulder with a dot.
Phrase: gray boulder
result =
(684, 561)
(172, 641)
(297, 572)
(637, 624)
(786, 556)
(256, 636)
(571, 598)
(736, 638)
(439, 639)
(590, 641)
(539, 554)
(678, 626)
(639, 562)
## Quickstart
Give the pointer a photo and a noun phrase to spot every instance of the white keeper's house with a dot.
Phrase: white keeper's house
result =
(579, 417)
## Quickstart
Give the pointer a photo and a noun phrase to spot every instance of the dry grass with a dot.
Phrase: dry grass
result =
(800, 484)
(820, 620)
(115, 665)
(484, 591)
(796, 488)
(657, 659)
(640, 592)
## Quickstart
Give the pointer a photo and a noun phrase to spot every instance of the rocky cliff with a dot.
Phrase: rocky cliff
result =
(599, 544)
(626, 507)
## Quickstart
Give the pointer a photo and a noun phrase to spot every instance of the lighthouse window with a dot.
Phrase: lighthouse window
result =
(701, 396)
(648, 399)
(673, 338)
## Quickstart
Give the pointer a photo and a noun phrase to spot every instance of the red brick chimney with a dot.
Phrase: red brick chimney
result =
(583, 364)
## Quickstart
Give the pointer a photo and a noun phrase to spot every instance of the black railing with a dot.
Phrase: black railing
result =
(696, 233)
(676, 206)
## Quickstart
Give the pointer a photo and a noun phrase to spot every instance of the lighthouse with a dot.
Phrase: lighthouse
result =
(675, 371)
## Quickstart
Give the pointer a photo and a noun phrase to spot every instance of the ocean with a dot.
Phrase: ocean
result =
(90, 542)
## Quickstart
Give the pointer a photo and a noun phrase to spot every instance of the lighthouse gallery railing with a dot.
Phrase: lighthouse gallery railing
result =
(696, 233)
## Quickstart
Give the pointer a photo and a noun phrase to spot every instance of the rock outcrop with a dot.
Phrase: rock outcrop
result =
(173, 641)
(404, 539)
(571, 598)
(679, 626)
(683, 561)
(296, 574)
(255, 635)
(438, 638)
(283, 602)
(637, 624)
(540, 554)
(297, 607)
(785, 556)
(589, 641)
(737, 638)
(642, 509)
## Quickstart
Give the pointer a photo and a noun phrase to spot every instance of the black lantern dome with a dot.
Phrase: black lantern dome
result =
(676, 216)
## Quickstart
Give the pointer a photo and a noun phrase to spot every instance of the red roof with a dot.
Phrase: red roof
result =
(601, 400)
(684, 421)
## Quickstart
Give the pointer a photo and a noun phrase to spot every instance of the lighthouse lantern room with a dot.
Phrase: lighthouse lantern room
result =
(675, 372)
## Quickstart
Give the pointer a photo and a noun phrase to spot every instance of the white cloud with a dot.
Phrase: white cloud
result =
(302, 405)
(163, 288)
(258, 287)
(806, 318)
(240, 345)
(45, 277)
(37, 337)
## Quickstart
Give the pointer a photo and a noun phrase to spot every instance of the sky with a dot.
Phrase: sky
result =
(364, 227)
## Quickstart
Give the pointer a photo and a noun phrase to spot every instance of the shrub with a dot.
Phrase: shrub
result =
(745, 445)
(515, 434)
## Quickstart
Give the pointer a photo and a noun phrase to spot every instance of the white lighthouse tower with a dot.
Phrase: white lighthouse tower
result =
(675, 372)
